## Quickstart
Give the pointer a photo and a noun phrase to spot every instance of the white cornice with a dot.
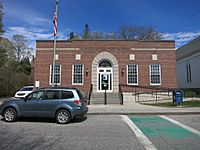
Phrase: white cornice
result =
(62, 49)
(152, 49)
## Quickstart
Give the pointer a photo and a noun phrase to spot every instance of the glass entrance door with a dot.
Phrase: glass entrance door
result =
(105, 80)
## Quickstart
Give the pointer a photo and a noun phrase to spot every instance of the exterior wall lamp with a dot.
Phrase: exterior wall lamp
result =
(86, 72)
(122, 71)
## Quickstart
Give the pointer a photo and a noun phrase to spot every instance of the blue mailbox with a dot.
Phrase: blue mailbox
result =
(178, 97)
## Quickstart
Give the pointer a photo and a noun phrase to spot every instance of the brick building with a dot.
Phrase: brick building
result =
(106, 63)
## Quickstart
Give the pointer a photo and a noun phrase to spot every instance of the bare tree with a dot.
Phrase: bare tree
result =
(20, 47)
(86, 32)
(96, 35)
(73, 36)
(133, 32)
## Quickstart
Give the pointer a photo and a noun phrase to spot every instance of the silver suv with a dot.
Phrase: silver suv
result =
(63, 104)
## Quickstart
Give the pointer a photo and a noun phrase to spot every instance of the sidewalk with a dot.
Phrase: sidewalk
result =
(139, 109)
(133, 108)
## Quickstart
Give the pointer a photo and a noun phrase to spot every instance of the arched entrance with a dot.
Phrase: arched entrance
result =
(105, 76)
(105, 70)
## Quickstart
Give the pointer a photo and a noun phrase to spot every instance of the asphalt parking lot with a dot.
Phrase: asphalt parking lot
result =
(91, 132)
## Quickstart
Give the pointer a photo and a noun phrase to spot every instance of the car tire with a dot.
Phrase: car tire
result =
(10, 115)
(63, 116)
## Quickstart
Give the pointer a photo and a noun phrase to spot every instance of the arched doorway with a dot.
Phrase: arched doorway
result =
(105, 76)
(103, 63)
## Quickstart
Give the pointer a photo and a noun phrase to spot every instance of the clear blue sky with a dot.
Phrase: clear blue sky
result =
(177, 19)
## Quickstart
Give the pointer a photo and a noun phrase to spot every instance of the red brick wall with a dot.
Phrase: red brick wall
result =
(120, 49)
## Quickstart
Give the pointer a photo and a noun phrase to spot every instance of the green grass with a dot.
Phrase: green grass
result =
(193, 103)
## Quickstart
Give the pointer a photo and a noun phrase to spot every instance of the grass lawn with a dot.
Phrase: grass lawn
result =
(193, 103)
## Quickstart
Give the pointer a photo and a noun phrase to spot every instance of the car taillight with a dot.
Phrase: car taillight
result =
(78, 102)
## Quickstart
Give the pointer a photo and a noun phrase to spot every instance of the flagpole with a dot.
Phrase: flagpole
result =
(54, 49)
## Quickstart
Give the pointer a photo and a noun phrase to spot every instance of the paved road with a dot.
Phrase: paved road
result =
(91, 133)
(97, 132)
(189, 120)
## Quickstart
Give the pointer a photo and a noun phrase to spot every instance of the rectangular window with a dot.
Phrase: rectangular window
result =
(77, 74)
(189, 74)
(52, 94)
(57, 74)
(67, 94)
(155, 74)
(132, 74)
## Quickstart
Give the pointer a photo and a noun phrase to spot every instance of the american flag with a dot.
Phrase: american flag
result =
(55, 21)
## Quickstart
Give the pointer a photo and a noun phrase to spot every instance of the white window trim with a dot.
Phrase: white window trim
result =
(127, 75)
(150, 75)
(73, 75)
(50, 76)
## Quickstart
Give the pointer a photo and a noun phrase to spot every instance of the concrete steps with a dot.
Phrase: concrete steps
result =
(98, 98)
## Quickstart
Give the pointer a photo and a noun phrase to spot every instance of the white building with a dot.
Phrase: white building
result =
(188, 65)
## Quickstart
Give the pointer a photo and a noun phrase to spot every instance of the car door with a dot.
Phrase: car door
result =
(49, 103)
(31, 104)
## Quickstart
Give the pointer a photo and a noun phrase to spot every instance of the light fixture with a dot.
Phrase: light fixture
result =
(87, 72)
(122, 71)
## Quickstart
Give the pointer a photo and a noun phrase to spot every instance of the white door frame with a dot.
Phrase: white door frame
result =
(107, 71)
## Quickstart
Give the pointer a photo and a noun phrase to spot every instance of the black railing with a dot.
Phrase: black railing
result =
(105, 97)
(90, 93)
(155, 96)
(158, 93)
(121, 95)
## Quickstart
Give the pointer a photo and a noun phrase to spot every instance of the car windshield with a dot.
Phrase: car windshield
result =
(27, 89)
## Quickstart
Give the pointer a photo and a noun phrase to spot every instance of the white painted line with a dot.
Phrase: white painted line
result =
(182, 125)
(139, 134)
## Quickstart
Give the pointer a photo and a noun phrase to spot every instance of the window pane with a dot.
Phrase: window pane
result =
(78, 74)
(52, 95)
(155, 74)
(132, 74)
(36, 96)
(67, 94)
(56, 74)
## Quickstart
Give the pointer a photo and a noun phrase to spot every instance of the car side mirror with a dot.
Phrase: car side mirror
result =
(25, 98)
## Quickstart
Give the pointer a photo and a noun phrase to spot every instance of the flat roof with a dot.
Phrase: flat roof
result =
(106, 40)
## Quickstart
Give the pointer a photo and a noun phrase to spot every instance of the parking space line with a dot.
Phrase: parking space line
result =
(181, 125)
(139, 134)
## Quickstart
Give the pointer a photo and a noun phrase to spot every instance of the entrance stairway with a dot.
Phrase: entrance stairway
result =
(99, 98)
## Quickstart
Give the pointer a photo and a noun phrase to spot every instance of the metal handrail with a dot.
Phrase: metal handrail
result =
(154, 90)
(121, 95)
(90, 93)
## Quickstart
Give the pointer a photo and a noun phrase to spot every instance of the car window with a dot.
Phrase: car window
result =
(52, 94)
(27, 89)
(80, 94)
(36, 95)
(67, 94)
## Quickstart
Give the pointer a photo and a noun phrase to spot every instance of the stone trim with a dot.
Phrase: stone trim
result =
(51, 49)
(95, 62)
(152, 49)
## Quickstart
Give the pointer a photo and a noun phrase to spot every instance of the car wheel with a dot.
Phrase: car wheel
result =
(10, 115)
(63, 116)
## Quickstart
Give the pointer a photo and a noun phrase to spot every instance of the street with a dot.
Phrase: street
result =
(97, 132)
